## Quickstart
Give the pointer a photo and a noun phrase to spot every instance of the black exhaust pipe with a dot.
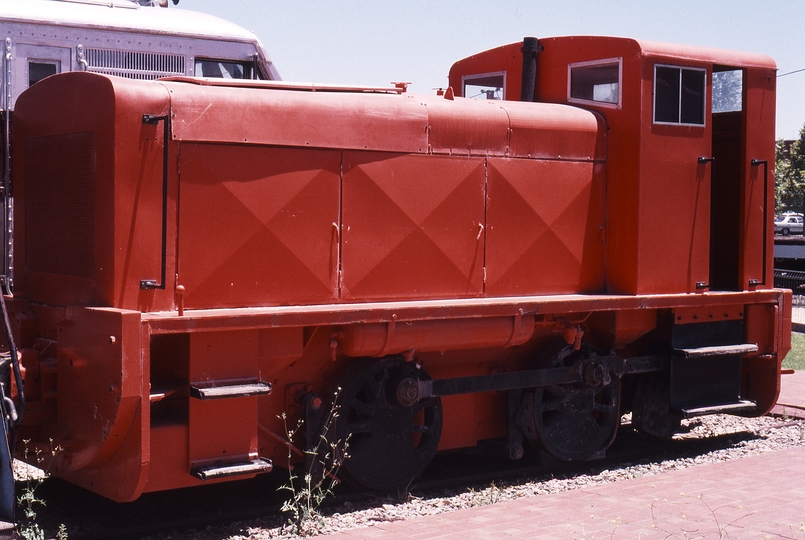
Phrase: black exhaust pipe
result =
(529, 82)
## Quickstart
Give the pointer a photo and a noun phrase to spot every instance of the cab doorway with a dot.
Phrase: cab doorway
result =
(726, 178)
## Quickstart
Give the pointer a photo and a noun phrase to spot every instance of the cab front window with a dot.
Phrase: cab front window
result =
(597, 82)
(485, 86)
(224, 69)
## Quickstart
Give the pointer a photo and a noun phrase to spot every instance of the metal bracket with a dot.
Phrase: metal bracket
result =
(314, 416)
(718, 350)
(514, 435)
(153, 118)
(216, 471)
(742, 405)
(204, 393)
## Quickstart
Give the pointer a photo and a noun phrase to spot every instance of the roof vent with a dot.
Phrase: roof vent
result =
(133, 64)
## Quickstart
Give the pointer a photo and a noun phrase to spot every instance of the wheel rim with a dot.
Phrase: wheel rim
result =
(575, 421)
(389, 444)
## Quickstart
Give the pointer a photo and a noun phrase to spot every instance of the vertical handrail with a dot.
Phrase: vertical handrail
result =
(8, 210)
(147, 284)
(7, 205)
(8, 248)
(765, 163)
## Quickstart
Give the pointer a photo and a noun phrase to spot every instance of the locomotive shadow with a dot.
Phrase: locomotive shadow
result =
(89, 516)
(629, 448)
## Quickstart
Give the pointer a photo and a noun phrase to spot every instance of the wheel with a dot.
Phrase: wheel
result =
(650, 407)
(391, 436)
(785, 232)
(573, 422)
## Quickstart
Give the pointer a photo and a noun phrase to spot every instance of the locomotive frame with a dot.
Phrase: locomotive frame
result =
(202, 256)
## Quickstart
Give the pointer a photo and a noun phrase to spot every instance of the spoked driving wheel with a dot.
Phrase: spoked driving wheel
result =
(574, 421)
(392, 435)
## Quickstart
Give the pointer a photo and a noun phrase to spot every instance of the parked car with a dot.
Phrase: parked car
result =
(787, 224)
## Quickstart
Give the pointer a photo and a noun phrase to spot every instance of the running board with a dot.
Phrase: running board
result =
(230, 390)
(213, 472)
(727, 408)
(719, 350)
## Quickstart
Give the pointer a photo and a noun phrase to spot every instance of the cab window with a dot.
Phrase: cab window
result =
(679, 95)
(38, 70)
(727, 91)
(224, 69)
(597, 82)
(485, 86)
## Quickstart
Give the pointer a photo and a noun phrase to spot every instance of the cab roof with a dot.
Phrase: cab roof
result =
(691, 52)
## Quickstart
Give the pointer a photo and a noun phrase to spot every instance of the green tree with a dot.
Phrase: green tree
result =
(790, 174)
(727, 90)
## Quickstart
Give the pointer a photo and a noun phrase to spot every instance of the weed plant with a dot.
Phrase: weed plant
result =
(483, 497)
(309, 490)
(27, 526)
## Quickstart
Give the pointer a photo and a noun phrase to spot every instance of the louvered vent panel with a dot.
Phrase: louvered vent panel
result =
(134, 65)
(60, 204)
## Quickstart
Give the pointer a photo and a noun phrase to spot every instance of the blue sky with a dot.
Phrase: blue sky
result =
(376, 42)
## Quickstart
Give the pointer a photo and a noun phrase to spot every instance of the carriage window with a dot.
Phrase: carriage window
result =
(39, 70)
(485, 86)
(597, 82)
(223, 69)
(679, 95)
(727, 91)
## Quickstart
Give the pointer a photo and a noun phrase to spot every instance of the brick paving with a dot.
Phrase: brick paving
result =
(791, 401)
(757, 497)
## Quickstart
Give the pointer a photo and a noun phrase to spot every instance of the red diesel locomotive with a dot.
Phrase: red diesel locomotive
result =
(195, 257)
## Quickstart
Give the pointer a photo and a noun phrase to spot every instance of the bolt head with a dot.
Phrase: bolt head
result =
(516, 452)
(594, 374)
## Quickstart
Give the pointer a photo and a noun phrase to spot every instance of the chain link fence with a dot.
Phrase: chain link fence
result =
(794, 280)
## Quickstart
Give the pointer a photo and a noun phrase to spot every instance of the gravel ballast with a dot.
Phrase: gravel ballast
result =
(754, 436)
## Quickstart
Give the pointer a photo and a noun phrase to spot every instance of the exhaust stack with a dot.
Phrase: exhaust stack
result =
(530, 49)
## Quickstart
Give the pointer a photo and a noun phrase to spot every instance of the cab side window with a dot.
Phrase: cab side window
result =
(679, 95)
(727, 91)
(38, 70)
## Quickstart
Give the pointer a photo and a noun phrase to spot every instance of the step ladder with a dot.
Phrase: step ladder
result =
(706, 380)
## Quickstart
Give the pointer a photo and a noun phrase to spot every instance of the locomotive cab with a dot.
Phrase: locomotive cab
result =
(687, 152)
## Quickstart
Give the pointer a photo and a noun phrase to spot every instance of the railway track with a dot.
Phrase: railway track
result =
(214, 509)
